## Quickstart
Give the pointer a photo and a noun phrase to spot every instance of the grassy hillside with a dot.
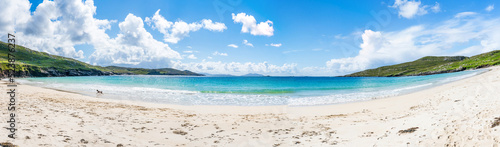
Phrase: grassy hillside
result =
(433, 65)
(36, 63)
(25, 56)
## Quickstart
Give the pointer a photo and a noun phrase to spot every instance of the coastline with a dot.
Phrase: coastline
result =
(457, 113)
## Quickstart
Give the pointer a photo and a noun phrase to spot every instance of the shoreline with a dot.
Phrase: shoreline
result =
(211, 108)
(403, 91)
(455, 113)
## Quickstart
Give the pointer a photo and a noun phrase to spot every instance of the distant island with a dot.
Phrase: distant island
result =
(252, 75)
(433, 65)
(229, 75)
(217, 75)
(32, 63)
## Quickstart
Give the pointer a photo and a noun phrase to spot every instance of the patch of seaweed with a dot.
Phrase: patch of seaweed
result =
(410, 130)
(7, 144)
(496, 122)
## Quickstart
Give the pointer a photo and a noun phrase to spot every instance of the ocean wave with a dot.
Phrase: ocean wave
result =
(456, 78)
(263, 91)
(340, 98)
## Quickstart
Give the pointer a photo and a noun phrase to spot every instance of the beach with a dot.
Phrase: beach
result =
(460, 113)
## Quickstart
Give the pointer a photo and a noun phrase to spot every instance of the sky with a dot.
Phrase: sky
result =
(279, 38)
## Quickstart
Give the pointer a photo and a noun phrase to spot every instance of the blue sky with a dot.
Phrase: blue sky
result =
(326, 38)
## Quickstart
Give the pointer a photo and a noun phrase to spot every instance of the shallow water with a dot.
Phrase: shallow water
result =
(246, 91)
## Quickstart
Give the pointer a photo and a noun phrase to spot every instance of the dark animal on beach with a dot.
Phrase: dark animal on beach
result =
(99, 92)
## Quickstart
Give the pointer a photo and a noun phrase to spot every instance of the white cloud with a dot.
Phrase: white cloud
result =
(490, 7)
(445, 38)
(250, 25)
(159, 23)
(237, 68)
(232, 45)
(275, 45)
(209, 25)
(13, 13)
(191, 57)
(436, 8)
(175, 31)
(179, 30)
(133, 46)
(411, 8)
(57, 26)
(54, 27)
(216, 53)
(245, 42)
(465, 14)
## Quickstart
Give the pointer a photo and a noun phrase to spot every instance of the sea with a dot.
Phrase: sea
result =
(245, 91)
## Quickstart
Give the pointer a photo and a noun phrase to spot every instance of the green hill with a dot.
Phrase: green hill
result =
(32, 63)
(433, 65)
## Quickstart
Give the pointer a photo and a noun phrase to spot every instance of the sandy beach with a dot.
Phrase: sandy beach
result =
(460, 113)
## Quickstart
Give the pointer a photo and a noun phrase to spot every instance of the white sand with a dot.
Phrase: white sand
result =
(459, 113)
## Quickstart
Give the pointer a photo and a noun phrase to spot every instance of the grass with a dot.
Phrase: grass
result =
(433, 65)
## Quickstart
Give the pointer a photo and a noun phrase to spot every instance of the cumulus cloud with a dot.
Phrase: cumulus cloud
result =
(209, 25)
(490, 7)
(175, 31)
(133, 46)
(159, 23)
(237, 68)
(216, 53)
(250, 25)
(191, 57)
(13, 13)
(245, 42)
(55, 26)
(232, 45)
(410, 8)
(445, 38)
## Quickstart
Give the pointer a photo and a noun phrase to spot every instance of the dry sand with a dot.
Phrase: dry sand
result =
(460, 113)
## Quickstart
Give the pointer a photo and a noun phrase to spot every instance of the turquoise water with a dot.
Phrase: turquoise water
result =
(246, 91)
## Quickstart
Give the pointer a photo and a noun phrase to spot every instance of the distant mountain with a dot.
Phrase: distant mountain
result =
(32, 63)
(433, 65)
(217, 75)
(252, 75)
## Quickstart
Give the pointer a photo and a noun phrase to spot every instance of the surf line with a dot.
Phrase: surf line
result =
(12, 86)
